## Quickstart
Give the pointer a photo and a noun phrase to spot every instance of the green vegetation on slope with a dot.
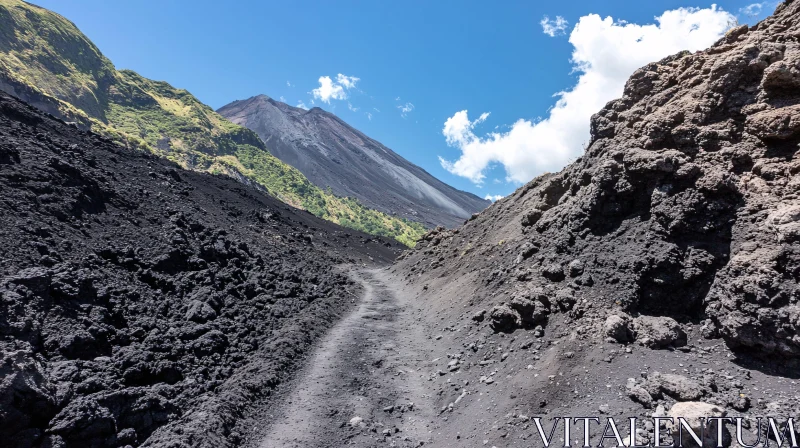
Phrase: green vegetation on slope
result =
(46, 61)
(290, 186)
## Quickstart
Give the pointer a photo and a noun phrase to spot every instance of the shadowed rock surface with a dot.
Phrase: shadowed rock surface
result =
(686, 203)
(332, 154)
(141, 304)
(661, 267)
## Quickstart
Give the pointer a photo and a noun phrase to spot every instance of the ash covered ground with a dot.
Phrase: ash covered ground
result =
(656, 276)
(144, 304)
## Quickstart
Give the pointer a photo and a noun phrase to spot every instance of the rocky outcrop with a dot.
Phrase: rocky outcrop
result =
(330, 153)
(684, 206)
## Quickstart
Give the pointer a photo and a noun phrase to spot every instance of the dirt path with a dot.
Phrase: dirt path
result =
(364, 385)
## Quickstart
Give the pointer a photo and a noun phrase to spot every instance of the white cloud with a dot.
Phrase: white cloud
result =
(605, 54)
(405, 109)
(350, 106)
(494, 198)
(376, 109)
(328, 90)
(753, 10)
(288, 84)
(282, 99)
(554, 28)
(334, 90)
(302, 105)
(348, 82)
(369, 115)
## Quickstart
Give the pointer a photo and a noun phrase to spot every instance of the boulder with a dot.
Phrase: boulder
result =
(526, 251)
(658, 332)
(530, 218)
(678, 387)
(356, 421)
(641, 396)
(86, 420)
(505, 318)
(618, 328)
(212, 342)
(695, 413)
(565, 299)
(530, 311)
(37, 280)
(553, 272)
(774, 124)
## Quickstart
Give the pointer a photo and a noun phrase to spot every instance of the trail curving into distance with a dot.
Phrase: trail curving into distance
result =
(364, 383)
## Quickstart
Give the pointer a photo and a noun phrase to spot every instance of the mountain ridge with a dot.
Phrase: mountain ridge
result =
(335, 155)
(47, 62)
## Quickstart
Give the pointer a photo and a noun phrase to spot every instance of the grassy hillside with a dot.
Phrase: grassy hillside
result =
(46, 61)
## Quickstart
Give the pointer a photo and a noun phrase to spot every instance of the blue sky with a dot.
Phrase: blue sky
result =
(442, 57)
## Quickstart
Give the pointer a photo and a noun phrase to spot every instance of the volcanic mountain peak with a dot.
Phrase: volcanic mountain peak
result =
(47, 62)
(657, 276)
(333, 154)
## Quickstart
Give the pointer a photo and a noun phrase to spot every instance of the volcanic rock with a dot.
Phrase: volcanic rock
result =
(129, 288)
(658, 332)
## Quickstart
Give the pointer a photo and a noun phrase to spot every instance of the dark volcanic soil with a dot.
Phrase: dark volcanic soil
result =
(656, 276)
(658, 272)
(145, 305)
(365, 384)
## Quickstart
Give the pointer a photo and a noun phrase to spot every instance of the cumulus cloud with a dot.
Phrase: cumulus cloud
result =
(494, 198)
(555, 27)
(334, 90)
(405, 109)
(605, 54)
(288, 84)
(282, 99)
(302, 105)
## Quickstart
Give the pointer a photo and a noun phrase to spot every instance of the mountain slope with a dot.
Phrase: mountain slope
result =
(679, 229)
(141, 304)
(47, 62)
(331, 154)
